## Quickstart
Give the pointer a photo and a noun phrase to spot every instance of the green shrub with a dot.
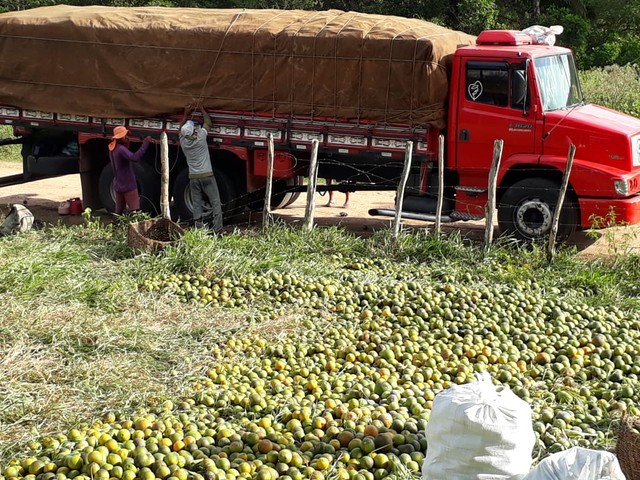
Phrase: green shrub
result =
(8, 153)
(614, 87)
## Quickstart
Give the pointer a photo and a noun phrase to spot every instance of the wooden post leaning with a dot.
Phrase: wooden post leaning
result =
(311, 187)
(490, 207)
(440, 183)
(164, 176)
(401, 186)
(551, 247)
(266, 211)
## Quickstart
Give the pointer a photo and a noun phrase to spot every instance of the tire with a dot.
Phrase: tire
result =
(280, 196)
(148, 187)
(526, 211)
(295, 195)
(183, 207)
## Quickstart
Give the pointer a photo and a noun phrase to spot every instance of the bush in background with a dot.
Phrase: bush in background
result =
(8, 153)
(614, 87)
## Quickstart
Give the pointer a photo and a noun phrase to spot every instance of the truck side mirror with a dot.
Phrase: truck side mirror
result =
(520, 88)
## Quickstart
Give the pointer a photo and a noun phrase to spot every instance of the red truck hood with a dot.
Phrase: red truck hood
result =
(600, 135)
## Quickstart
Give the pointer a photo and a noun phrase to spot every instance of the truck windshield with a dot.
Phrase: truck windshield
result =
(558, 82)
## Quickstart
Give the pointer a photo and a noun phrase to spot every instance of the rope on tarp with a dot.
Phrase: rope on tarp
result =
(253, 53)
(302, 25)
(413, 62)
(361, 62)
(215, 61)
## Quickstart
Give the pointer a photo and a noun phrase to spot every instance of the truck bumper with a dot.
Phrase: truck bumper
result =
(605, 212)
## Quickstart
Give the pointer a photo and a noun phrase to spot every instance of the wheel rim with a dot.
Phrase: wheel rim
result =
(533, 218)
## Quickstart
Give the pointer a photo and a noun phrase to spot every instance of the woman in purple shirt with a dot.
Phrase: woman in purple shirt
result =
(125, 185)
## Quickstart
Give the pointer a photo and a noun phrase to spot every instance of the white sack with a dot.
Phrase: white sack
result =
(544, 35)
(19, 220)
(478, 431)
(578, 463)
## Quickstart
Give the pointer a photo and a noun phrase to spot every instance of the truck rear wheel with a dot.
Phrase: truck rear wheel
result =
(183, 206)
(526, 210)
(295, 195)
(148, 187)
(281, 196)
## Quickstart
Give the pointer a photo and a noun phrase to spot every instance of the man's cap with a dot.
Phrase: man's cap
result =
(187, 128)
(119, 132)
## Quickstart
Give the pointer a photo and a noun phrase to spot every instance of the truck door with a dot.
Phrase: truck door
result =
(494, 104)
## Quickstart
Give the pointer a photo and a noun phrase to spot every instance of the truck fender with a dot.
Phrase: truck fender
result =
(588, 179)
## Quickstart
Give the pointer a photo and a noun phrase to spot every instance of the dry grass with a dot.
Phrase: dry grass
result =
(65, 364)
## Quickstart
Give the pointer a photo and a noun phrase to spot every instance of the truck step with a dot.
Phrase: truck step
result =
(462, 188)
(427, 217)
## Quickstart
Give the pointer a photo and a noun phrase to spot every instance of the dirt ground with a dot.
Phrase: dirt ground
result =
(43, 198)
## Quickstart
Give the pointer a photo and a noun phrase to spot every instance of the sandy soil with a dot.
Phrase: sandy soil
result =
(43, 197)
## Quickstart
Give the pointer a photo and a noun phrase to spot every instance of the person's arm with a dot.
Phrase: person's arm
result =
(206, 120)
(185, 116)
(136, 157)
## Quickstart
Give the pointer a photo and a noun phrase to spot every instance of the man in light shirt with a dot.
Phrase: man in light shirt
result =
(193, 141)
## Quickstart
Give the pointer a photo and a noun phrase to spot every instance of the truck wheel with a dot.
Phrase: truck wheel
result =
(183, 206)
(280, 196)
(148, 188)
(294, 195)
(526, 210)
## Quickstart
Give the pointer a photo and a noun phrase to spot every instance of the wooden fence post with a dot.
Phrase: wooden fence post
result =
(164, 176)
(551, 248)
(266, 212)
(490, 208)
(311, 187)
(440, 183)
(403, 182)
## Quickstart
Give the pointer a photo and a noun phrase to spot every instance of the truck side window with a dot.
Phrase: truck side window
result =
(487, 84)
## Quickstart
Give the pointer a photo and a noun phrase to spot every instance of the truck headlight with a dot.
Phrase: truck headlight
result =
(622, 187)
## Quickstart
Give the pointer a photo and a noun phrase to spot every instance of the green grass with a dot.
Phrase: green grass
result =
(9, 153)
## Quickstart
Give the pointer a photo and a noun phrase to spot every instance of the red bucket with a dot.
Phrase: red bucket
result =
(75, 206)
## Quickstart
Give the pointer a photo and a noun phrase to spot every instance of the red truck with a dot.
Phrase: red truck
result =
(360, 105)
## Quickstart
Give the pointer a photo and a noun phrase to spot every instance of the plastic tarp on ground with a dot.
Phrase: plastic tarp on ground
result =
(135, 62)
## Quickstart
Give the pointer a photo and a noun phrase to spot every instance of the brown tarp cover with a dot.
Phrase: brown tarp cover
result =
(136, 62)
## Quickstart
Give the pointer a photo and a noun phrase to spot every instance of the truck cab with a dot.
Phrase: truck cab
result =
(506, 87)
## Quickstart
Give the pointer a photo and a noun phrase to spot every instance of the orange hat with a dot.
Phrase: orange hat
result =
(118, 132)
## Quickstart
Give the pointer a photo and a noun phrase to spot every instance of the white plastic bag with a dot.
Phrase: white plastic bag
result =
(478, 432)
(578, 464)
(543, 35)
(19, 220)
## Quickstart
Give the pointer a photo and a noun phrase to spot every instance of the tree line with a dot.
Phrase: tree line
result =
(601, 32)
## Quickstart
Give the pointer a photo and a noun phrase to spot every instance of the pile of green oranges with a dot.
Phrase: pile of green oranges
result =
(347, 394)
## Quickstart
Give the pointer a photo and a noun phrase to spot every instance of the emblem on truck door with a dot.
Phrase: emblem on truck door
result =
(520, 127)
(475, 90)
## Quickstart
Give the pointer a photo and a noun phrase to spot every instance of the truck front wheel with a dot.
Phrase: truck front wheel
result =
(148, 188)
(526, 210)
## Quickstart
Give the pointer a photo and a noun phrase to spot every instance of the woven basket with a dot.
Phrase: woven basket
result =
(628, 447)
(153, 235)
